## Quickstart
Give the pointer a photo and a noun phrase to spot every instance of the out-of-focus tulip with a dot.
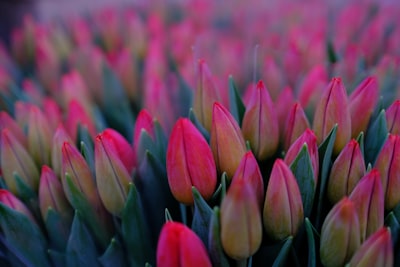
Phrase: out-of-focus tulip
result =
(179, 246)
(15, 159)
(77, 116)
(22, 108)
(333, 109)
(393, 118)
(283, 208)
(184, 166)
(273, 77)
(227, 142)
(377, 250)
(307, 137)
(340, 234)
(282, 106)
(6, 121)
(260, 123)
(368, 199)
(241, 227)
(53, 113)
(112, 176)
(347, 170)
(60, 136)
(73, 87)
(296, 124)
(388, 165)
(206, 95)
(144, 122)
(9, 200)
(313, 87)
(362, 101)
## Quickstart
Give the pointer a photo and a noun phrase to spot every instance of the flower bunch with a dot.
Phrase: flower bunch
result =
(192, 134)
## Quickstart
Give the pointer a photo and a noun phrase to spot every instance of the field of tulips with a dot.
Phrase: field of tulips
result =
(201, 133)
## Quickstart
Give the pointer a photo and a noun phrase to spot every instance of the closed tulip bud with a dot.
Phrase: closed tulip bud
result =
(307, 137)
(296, 124)
(283, 208)
(179, 246)
(282, 104)
(227, 142)
(363, 101)
(377, 250)
(184, 166)
(205, 96)
(346, 171)
(393, 118)
(388, 165)
(368, 199)
(77, 116)
(7, 122)
(51, 195)
(260, 123)
(53, 113)
(241, 227)
(59, 137)
(313, 86)
(112, 177)
(340, 234)
(144, 122)
(333, 109)
(9, 200)
(16, 160)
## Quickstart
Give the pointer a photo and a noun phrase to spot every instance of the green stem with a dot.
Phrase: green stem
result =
(241, 263)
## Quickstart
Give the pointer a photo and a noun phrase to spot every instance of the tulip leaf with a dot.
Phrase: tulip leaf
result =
(114, 255)
(330, 50)
(394, 224)
(57, 258)
(23, 238)
(85, 142)
(303, 171)
(201, 217)
(215, 250)
(360, 141)
(375, 138)
(81, 248)
(283, 253)
(146, 144)
(199, 126)
(161, 141)
(27, 195)
(57, 229)
(237, 108)
(312, 258)
(135, 233)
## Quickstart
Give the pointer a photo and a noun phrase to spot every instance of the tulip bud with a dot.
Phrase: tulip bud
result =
(184, 166)
(362, 101)
(144, 122)
(340, 234)
(53, 113)
(282, 104)
(388, 166)
(9, 200)
(260, 123)
(283, 208)
(227, 142)
(77, 116)
(205, 96)
(179, 246)
(313, 86)
(346, 171)
(112, 177)
(296, 124)
(368, 199)
(6, 121)
(333, 109)
(241, 229)
(15, 159)
(393, 118)
(377, 250)
(59, 137)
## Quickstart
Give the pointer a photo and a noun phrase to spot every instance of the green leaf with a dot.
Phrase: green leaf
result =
(283, 253)
(199, 126)
(161, 142)
(360, 141)
(394, 224)
(85, 142)
(215, 250)
(114, 255)
(375, 138)
(303, 171)
(58, 230)
(135, 233)
(23, 238)
(330, 50)
(201, 217)
(28, 196)
(57, 258)
(236, 105)
(312, 257)
(81, 248)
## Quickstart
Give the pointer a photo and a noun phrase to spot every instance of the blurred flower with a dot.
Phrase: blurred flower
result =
(9, 200)
(60, 136)
(283, 208)
(144, 123)
(393, 118)
(282, 106)
(77, 116)
(7, 122)
(296, 124)
(184, 166)
(179, 246)
(53, 112)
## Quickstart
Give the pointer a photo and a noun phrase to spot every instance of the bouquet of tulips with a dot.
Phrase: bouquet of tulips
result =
(200, 134)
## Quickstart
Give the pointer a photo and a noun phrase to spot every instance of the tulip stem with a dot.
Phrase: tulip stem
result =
(241, 263)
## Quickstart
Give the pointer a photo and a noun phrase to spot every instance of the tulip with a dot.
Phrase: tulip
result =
(388, 166)
(53, 112)
(312, 87)
(347, 170)
(241, 227)
(60, 136)
(273, 77)
(283, 208)
(112, 176)
(184, 166)
(6, 121)
(260, 123)
(393, 118)
(9, 200)
(205, 95)
(333, 109)
(296, 124)
(377, 250)
(73, 87)
(179, 246)
(77, 116)
(282, 104)
(340, 234)
(227, 142)
(368, 199)
(16, 160)
(363, 101)
(21, 110)
(144, 122)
